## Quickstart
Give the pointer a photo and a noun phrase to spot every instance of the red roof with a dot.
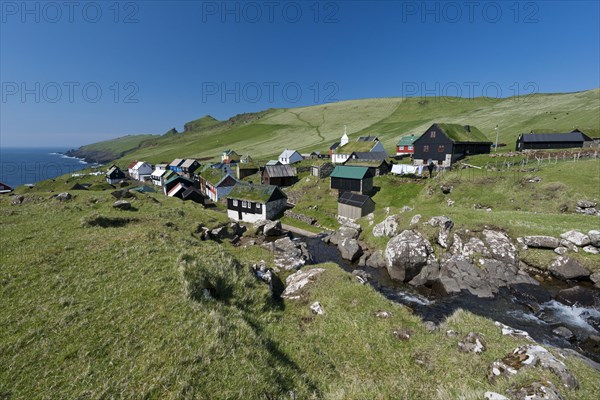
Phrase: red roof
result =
(132, 164)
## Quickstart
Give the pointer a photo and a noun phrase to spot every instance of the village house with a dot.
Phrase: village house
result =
(141, 171)
(313, 155)
(321, 169)
(543, 141)
(406, 146)
(216, 184)
(354, 206)
(290, 157)
(352, 179)
(364, 144)
(175, 165)
(252, 203)
(160, 174)
(195, 195)
(114, 175)
(229, 156)
(278, 175)
(176, 181)
(244, 169)
(4, 188)
(246, 159)
(272, 162)
(189, 167)
(444, 144)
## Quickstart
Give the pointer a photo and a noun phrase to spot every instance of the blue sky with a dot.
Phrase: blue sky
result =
(80, 72)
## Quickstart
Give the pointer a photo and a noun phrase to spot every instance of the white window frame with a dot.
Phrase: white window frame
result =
(235, 203)
(244, 204)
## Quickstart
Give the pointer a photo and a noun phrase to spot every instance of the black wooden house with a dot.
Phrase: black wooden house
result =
(352, 179)
(542, 141)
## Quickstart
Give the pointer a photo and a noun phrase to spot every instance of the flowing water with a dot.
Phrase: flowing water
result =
(510, 307)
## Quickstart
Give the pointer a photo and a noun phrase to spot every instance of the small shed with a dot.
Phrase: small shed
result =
(542, 141)
(352, 179)
(278, 175)
(354, 206)
(195, 195)
(321, 170)
(114, 175)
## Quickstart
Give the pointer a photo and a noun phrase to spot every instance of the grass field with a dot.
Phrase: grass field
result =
(95, 306)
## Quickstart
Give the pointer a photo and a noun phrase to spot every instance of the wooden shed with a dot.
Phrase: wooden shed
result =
(279, 175)
(353, 205)
(352, 179)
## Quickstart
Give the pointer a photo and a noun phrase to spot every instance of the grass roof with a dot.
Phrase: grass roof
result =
(245, 191)
(213, 175)
(459, 133)
(350, 147)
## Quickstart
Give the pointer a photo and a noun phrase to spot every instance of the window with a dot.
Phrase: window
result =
(235, 203)
(432, 134)
(410, 147)
(400, 147)
(258, 207)
(441, 148)
(244, 204)
(426, 148)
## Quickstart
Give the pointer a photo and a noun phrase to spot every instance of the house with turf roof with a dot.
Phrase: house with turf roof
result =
(321, 169)
(252, 203)
(406, 146)
(351, 179)
(247, 168)
(444, 144)
(278, 175)
(216, 183)
(229, 156)
(364, 144)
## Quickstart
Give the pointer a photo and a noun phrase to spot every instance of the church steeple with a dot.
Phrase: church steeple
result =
(344, 138)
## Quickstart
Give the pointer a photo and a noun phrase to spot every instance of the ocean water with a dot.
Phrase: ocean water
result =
(20, 166)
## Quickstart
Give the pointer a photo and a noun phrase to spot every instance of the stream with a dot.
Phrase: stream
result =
(510, 307)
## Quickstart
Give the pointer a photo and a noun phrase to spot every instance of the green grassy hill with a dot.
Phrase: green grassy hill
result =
(110, 149)
(265, 134)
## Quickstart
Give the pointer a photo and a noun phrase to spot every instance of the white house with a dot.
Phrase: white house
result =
(290, 157)
(159, 176)
(140, 171)
(364, 144)
(252, 203)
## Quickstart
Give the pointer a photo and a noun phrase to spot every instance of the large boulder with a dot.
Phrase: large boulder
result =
(576, 296)
(568, 268)
(445, 224)
(272, 228)
(406, 254)
(298, 280)
(595, 277)
(388, 227)
(289, 254)
(594, 238)
(542, 242)
(501, 248)
(345, 232)
(576, 237)
(349, 249)
(586, 204)
(376, 260)
(64, 196)
(535, 391)
(122, 205)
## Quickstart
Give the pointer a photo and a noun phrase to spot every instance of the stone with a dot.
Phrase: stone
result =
(591, 344)
(383, 314)
(569, 245)
(472, 343)
(388, 227)
(530, 356)
(450, 202)
(430, 326)
(122, 205)
(595, 277)
(500, 246)
(123, 194)
(521, 243)
(594, 238)
(298, 280)
(349, 249)
(64, 196)
(363, 275)
(591, 249)
(541, 242)
(259, 226)
(535, 179)
(576, 296)
(494, 396)
(272, 228)
(237, 229)
(376, 260)
(568, 268)
(402, 334)
(446, 189)
(415, 219)
(343, 233)
(576, 237)
(289, 254)
(561, 251)
(317, 308)
(406, 254)
(508, 331)
(536, 391)
(564, 333)
(219, 233)
(17, 199)
(586, 204)
(406, 209)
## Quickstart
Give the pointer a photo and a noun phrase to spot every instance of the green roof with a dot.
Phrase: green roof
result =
(213, 175)
(407, 140)
(246, 191)
(171, 179)
(351, 147)
(342, 171)
(365, 163)
(459, 133)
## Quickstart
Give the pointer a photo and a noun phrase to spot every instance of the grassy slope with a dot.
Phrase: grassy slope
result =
(119, 145)
(93, 312)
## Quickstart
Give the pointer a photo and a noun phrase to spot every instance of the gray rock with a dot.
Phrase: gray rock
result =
(445, 224)
(122, 205)
(561, 251)
(494, 396)
(219, 233)
(17, 199)
(591, 344)
(349, 249)
(472, 343)
(450, 202)
(591, 249)
(259, 227)
(64, 196)
(576, 237)
(500, 246)
(430, 326)
(272, 228)
(576, 296)
(564, 333)
(415, 219)
(542, 242)
(446, 189)
(406, 209)
(383, 314)
(406, 254)
(298, 280)
(568, 268)
(376, 260)
(586, 204)
(317, 308)
(237, 229)
(535, 391)
(343, 233)
(289, 254)
(530, 356)
(595, 277)
(508, 331)
(569, 245)
(594, 238)
(388, 227)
